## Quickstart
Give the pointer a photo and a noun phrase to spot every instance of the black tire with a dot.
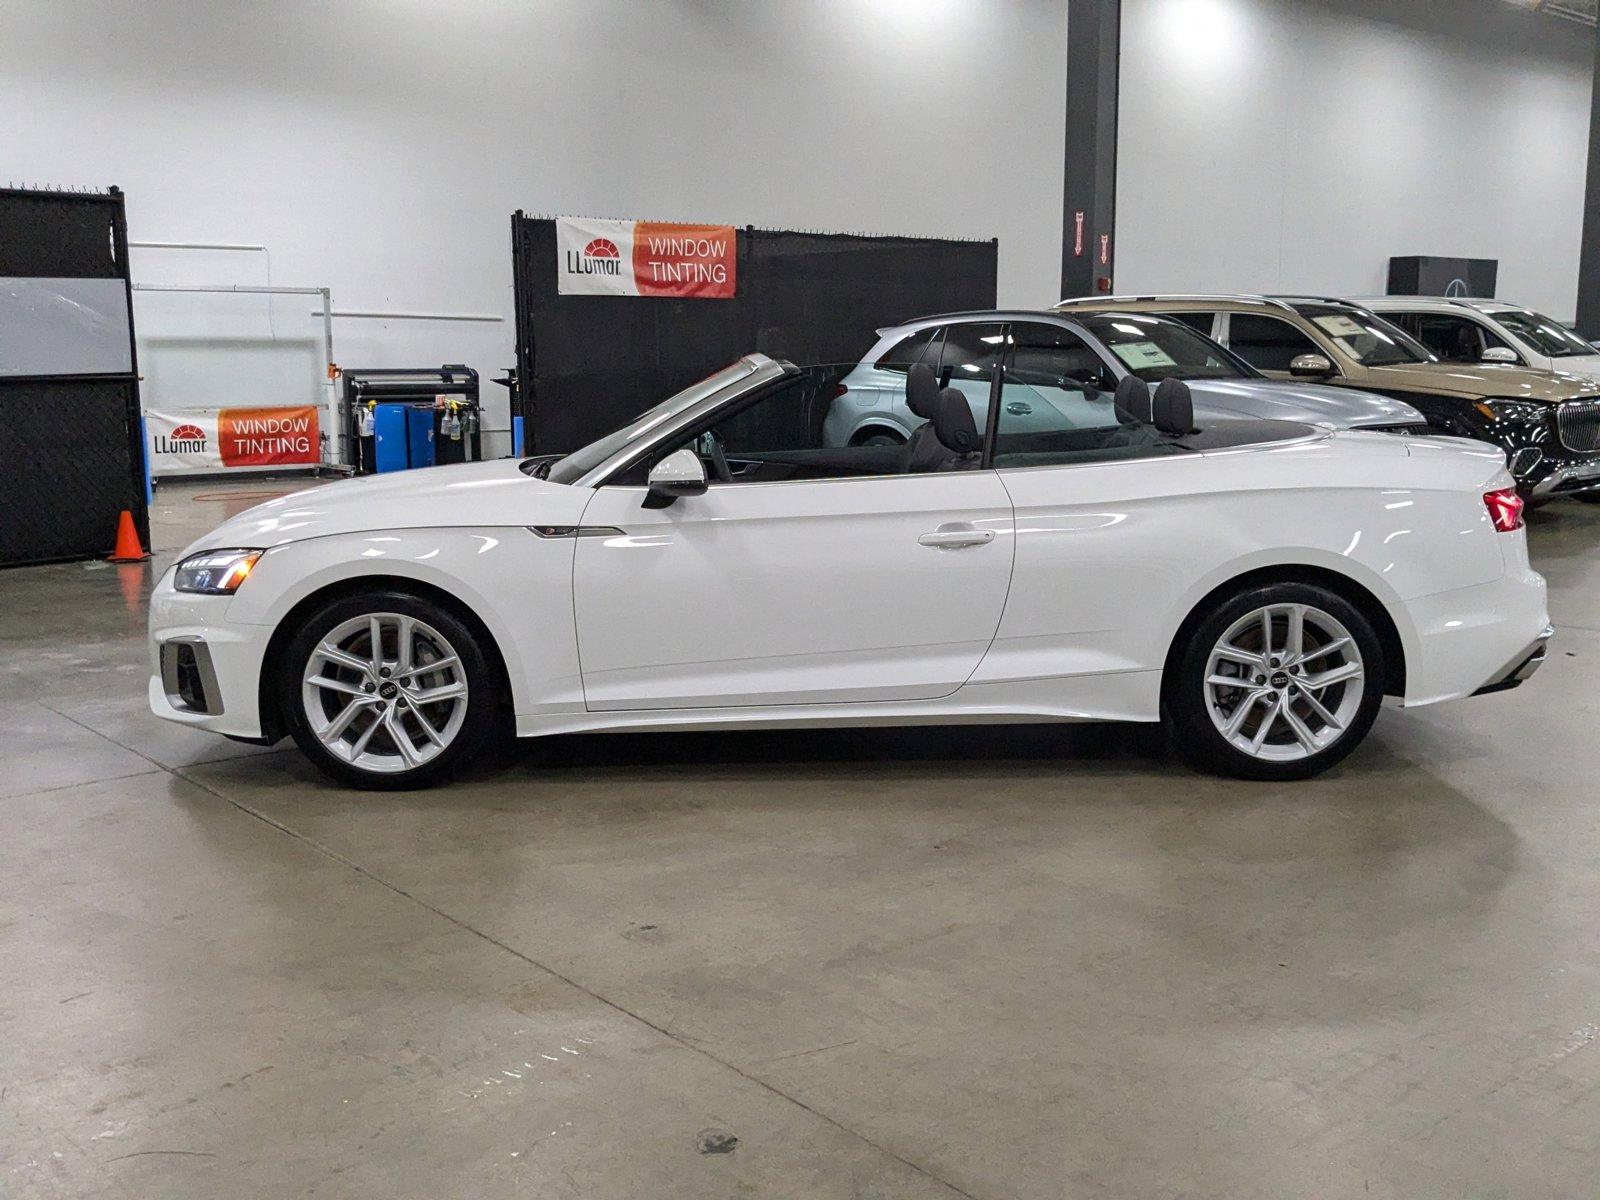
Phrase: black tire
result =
(1196, 735)
(482, 721)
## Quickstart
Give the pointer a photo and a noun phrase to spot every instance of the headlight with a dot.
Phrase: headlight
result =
(215, 572)
(1512, 410)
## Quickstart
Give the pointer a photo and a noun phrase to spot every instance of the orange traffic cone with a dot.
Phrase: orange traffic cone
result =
(128, 547)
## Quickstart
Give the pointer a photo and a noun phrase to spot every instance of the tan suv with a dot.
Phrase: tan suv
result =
(1547, 422)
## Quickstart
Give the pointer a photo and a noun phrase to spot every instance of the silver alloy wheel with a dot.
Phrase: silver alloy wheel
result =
(385, 692)
(1284, 682)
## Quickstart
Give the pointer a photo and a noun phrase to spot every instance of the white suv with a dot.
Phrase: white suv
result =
(1489, 331)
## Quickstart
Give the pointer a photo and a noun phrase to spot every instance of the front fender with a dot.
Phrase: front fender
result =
(516, 582)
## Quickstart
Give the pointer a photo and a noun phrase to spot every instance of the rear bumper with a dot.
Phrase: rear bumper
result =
(1473, 639)
(1522, 667)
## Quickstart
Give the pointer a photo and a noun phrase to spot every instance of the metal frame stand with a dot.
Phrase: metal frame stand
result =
(333, 409)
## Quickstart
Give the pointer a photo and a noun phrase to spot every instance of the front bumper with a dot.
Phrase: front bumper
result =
(205, 671)
(1565, 479)
(1544, 466)
(1522, 667)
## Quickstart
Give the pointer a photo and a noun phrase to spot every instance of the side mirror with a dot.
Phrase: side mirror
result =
(1310, 366)
(1499, 354)
(680, 473)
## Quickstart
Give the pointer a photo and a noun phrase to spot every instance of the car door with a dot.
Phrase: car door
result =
(1095, 507)
(837, 587)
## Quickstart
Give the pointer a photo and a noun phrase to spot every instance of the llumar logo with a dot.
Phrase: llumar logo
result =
(599, 257)
(184, 439)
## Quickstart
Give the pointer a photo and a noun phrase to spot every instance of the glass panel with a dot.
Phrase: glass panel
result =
(969, 353)
(1267, 343)
(1068, 424)
(830, 421)
(1154, 348)
(1544, 335)
(1201, 322)
(919, 347)
(1454, 339)
(1368, 339)
(1048, 356)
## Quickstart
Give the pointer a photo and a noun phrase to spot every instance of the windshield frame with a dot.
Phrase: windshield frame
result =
(575, 467)
(1539, 320)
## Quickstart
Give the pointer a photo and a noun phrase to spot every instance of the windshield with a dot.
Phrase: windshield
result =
(1368, 339)
(1156, 348)
(580, 462)
(1544, 335)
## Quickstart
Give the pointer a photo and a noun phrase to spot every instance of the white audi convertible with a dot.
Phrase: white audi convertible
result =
(1259, 586)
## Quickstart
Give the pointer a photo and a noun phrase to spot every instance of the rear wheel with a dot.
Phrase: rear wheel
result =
(1278, 682)
(387, 690)
(880, 437)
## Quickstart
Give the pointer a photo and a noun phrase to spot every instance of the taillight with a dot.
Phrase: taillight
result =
(1505, 509)
(839, 389)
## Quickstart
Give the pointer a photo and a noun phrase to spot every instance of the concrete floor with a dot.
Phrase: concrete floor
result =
(1025, 962)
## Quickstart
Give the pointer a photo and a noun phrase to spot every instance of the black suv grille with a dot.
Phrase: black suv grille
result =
(1578, 423)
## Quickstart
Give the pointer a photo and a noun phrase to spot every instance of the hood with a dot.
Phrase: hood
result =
(1312, 403)
(474, 495)
(1487, 380)
(1584, 366)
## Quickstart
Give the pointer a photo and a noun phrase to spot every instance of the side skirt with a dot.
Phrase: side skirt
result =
(1123, 696)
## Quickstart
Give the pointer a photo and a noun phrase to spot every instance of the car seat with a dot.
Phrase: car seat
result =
(956, 439)
(922, 398)
(1172, 407)
(1132, 400)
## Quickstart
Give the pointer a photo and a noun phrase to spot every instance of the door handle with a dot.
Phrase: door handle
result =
(1019, 408)
(956, 537)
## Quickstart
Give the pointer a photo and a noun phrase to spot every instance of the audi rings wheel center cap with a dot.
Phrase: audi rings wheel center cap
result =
(1280, 679)
(389, 690)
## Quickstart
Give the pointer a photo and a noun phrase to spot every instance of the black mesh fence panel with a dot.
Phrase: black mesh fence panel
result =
(56, 235)
(70, 445)
(65, 446)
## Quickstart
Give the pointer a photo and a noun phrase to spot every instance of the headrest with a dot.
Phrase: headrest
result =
(922, 390)
(1172, 408)
(953, 424)
(1132, 400)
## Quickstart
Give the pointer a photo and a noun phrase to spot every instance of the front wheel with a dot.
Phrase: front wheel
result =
(387, 690)
(1278, 682)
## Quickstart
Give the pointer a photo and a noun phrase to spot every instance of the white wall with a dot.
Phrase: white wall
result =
(1295, 145)
(380, 146)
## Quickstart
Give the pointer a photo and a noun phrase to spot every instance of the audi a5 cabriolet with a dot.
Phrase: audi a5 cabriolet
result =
(1259, 586)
